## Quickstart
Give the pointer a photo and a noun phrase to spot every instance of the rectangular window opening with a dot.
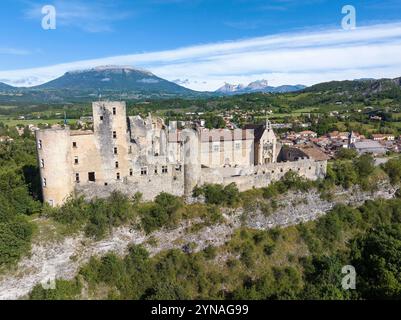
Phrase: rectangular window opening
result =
(91, 176)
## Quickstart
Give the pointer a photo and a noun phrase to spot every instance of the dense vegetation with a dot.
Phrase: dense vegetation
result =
(302, 262)
(18, 191)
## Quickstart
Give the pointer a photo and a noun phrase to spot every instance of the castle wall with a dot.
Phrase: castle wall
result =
(263, 175)
(227, 153)
(149, 185)
(85, 151)
(174, 182)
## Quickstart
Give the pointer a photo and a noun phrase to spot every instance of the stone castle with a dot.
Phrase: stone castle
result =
(131, 154)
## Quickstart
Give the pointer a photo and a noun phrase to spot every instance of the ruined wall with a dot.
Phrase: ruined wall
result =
(150, 185)
(85, 151)
(263, 175)
(223, 147)
(216, 154)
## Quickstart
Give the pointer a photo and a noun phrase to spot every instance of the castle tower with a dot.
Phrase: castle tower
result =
(110, 129)
(191, 158)
(55, 163)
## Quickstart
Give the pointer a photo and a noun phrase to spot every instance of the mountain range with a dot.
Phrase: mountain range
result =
(114, 78)
(118, 82)
(257, 86)
(4, 86)
(112, 82)
(128, 83)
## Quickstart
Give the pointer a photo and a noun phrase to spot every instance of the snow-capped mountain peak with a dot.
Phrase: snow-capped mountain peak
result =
(229, 88)
(256, 86)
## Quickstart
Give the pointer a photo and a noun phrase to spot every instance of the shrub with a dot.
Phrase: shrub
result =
(346, 154)
(365, 165)
(377, 257)
(97, 216)
(342, 173)
(65, 290)
(15, 239)
(393, 169)
(219, 195)
(210, 252)
(163, 212)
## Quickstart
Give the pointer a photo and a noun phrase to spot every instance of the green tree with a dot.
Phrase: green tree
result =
(377, 259)
(346, 154)
(364, 165)
(65, 290)
(393, 169)
(323, 278)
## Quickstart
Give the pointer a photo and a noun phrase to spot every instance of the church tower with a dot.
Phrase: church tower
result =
(351, 139)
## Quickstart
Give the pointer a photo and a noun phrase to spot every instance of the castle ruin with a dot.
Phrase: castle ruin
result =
(131, 154)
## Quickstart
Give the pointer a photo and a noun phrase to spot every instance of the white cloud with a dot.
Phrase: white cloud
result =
(13, 51)
(303, 57)
(90, 17)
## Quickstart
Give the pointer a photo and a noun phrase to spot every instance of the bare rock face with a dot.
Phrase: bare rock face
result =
(62, 259)
(299, 207)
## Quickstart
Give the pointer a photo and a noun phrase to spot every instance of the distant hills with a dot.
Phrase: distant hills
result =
(4, 86)
(128, 83)
(120, 82)
(362, 87)
(257, 86)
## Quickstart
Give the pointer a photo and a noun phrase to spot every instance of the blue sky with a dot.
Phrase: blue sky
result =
(202, 43)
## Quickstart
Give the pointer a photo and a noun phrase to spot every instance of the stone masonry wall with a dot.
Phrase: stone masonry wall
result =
(263, 175)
